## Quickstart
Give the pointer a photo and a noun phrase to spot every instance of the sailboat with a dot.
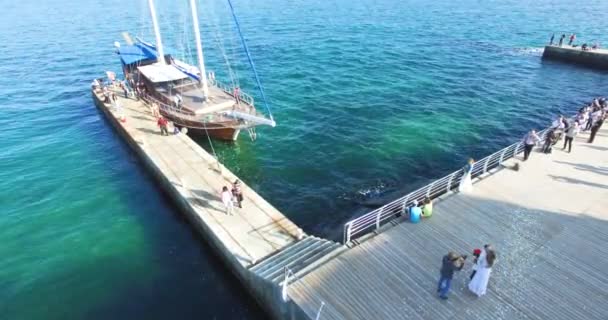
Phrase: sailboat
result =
(186, 94)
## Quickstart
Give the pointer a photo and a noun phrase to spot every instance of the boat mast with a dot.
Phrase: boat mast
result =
(160, 58)
(199, 49)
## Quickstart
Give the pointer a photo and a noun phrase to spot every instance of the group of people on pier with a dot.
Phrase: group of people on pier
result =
(571, 43)
(232, 197)
(138, 92)
(483, 261)
(590, 118)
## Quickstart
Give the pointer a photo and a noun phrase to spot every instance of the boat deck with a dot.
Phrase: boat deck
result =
(548, 222)
(252, 233)
(219, 100)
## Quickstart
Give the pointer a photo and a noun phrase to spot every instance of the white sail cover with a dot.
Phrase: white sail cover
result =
(161, 73)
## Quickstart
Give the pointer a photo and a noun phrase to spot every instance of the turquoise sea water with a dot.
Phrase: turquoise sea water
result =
(365, 93)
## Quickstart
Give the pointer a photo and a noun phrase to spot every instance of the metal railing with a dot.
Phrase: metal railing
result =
(194, 121)
(375, 219)
(285, 286)
(230, 90)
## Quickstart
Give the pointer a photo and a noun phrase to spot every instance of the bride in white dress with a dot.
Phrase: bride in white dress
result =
(465, 183)
(484, 267)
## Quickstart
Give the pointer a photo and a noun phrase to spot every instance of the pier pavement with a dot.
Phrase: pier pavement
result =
(548, 222)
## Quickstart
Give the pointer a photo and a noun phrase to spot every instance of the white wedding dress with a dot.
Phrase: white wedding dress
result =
(480, 281)
(465, 183)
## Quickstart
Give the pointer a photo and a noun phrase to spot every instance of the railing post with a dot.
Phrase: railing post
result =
(347, 235)
(450, 182)
(485, 165)
(428, 191)
(320, 309)
(502, 155)
(405, 203)
(285, 284)
(378, 217)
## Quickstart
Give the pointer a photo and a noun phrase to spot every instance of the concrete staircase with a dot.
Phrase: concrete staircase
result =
(299, 257)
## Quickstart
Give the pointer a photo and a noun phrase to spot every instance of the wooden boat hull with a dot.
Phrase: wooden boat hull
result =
(227, 131)
(226, 134)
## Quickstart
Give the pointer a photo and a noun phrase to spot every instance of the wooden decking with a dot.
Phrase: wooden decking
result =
(252, 233)
(548, 222)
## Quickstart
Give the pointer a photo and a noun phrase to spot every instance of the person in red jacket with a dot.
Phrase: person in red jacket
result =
(162, 123)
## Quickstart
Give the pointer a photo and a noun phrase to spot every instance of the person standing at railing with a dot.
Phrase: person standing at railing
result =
(466, 185)
(596, 127)
(237, 94)
(530, 140)
(550, 139)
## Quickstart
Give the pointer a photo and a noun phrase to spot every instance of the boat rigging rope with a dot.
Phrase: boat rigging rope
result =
(220, 44)
(211, 143)
(255, 73)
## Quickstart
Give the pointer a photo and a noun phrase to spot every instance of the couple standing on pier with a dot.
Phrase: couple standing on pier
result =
(229, 197)
(480, 276)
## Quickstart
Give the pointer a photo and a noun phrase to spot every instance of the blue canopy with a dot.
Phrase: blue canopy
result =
(138, 52)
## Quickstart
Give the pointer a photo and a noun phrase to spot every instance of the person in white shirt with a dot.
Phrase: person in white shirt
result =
(176, 101)
(227, 200)
(530, 140)
(558, 123)
(570, 134)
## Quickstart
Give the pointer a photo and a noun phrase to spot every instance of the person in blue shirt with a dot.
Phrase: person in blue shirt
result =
(415, 212)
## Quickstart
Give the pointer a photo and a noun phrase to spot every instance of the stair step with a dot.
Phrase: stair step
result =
(278, 266)
(293, 265)
(269, 262)
(306, 261)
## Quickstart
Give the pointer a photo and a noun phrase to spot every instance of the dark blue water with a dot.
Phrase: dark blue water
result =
(366, 93)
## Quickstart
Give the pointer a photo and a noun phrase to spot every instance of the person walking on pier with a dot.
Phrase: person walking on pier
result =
(570, 134)
(227, 200)
(589, 121)
(561, 39)
(596, 127)
(551, 41)
(449, 264)
(162, 123)
(530, 140)
(572, 38)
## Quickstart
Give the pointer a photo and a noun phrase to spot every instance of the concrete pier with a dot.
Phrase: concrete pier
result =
(597, 58)
(257, 242)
